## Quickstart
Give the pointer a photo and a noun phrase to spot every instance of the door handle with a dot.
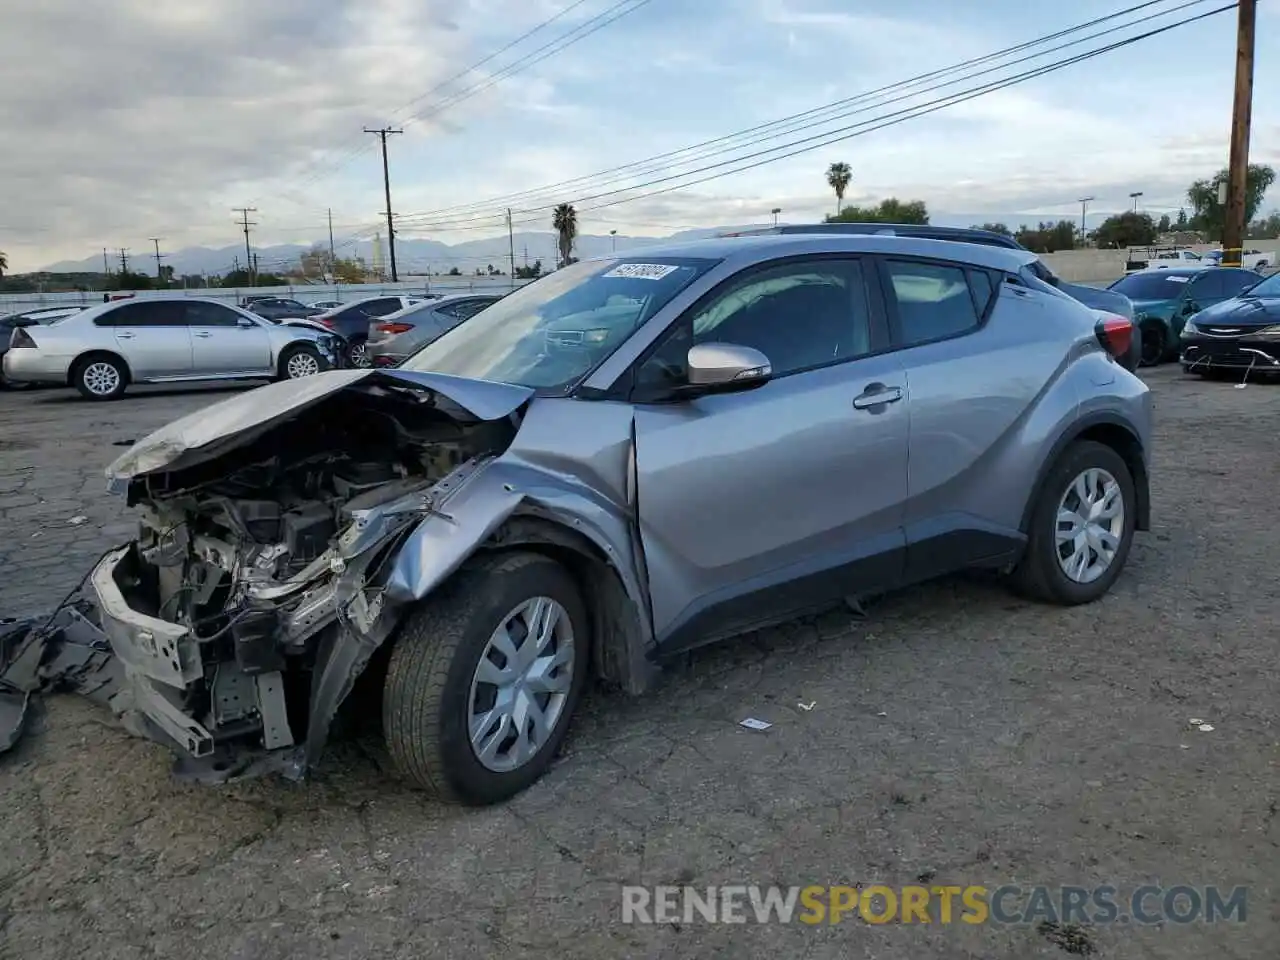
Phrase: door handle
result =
(124, 336)
(877, 394)
(204, 334)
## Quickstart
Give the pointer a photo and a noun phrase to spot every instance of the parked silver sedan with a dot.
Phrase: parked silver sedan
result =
(166, 339)
(398, 336)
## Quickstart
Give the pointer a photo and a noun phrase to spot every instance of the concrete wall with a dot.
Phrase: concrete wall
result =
(307, 293)
(1089, 266)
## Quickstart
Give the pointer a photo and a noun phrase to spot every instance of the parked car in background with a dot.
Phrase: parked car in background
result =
(1160, 258)
(164, 339)
(327, 304)
(1164, 298)
(29, 318)
(724, 446)
(282, 308)
(351, 322)
(399, 335)
(1108, 301)
(1236, 336)
(1256, 260)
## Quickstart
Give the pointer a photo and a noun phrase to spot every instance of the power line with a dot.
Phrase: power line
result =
(566, 40)
(800, 121)
(808, 144)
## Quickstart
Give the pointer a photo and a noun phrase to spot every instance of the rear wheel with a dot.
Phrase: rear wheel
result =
(100, 376)
(1081, 527)
(484, 678)
(1154, 344)
(358, 353)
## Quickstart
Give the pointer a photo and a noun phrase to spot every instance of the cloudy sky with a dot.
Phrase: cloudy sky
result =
(129, 119)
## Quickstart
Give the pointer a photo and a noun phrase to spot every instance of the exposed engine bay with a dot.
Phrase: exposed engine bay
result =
(253, 561)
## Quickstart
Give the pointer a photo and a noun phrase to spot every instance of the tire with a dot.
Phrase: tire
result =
(431, 687)
(1154, 345)
(100, 376)
(1040, 574)
(299, 358)
(357, 352)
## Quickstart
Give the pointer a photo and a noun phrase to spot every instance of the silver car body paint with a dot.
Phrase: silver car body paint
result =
(700, 504)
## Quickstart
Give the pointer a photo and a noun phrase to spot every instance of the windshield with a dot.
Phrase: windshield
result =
(1269, 287)
(551, 333)
(1152, 286)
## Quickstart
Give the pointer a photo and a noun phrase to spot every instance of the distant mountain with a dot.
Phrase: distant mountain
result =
(416, 257)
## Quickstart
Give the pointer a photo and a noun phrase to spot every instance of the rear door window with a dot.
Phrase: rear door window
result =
(142, 313)
(201, 314)
(933, 301)
(380, 308)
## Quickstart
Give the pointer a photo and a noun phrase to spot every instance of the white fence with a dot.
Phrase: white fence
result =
(306, 293)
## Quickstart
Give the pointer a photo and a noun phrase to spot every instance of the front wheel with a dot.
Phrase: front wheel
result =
(300, 360)
(1081, 527)
(484, 678)
(358, 353)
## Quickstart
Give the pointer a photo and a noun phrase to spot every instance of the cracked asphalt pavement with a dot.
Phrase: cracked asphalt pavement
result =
(958, 734)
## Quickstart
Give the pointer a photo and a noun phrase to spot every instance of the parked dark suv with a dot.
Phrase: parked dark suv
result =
(282, 308)
(1093, 297)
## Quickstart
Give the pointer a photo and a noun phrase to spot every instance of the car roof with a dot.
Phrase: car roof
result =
(763, 247)
(925, 231)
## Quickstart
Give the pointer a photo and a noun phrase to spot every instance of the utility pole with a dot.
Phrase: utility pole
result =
(332, 256)
(382, 134)
(156, 241)
(511, 246)
(245, 224)
(1084, 210)
(106, 265)
(124, 260)
(1241, 119)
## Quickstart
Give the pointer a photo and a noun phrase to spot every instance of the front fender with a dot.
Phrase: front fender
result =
(464, 521)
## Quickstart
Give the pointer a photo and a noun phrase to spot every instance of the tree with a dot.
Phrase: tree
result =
(4, 263)
(128, 280)
(455, 272)
(999, 228)
(1164, 226)
(195, 280)
(316, 263)
(1048, 237)
(348, 270)
(529, 272)
(892, 210)
(1208, 214)
(838, 177)
(1267, 228)
(1181, 222)
(166, 275)
(565, 223)
(1128, 229)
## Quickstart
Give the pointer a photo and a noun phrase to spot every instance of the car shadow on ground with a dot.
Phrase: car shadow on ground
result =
(213, 391)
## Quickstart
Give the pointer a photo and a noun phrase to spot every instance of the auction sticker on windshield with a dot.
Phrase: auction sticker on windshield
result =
(641, 271)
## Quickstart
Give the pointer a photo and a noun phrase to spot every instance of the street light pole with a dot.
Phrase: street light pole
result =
(613, 240)
(775, 211)
(1134, 197)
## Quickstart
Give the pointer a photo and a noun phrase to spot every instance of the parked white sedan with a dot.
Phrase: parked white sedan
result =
(167, 339)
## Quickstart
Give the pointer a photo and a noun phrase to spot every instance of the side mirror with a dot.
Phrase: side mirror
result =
(726, 368)
(245, 322)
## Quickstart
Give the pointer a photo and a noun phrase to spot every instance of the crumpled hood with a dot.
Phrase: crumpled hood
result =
(210, 432)
(1243, 311)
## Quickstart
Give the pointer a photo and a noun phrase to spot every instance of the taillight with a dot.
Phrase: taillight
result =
(326, 321)
(1115, 333)
(394, 327)
(21, 338)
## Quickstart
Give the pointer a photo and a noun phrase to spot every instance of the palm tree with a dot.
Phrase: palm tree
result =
(565, 222)
(838, 176)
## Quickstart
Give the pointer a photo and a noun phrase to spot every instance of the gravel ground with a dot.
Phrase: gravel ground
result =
(959, 736)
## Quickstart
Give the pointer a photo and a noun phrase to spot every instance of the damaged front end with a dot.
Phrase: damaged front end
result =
(257, 590)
